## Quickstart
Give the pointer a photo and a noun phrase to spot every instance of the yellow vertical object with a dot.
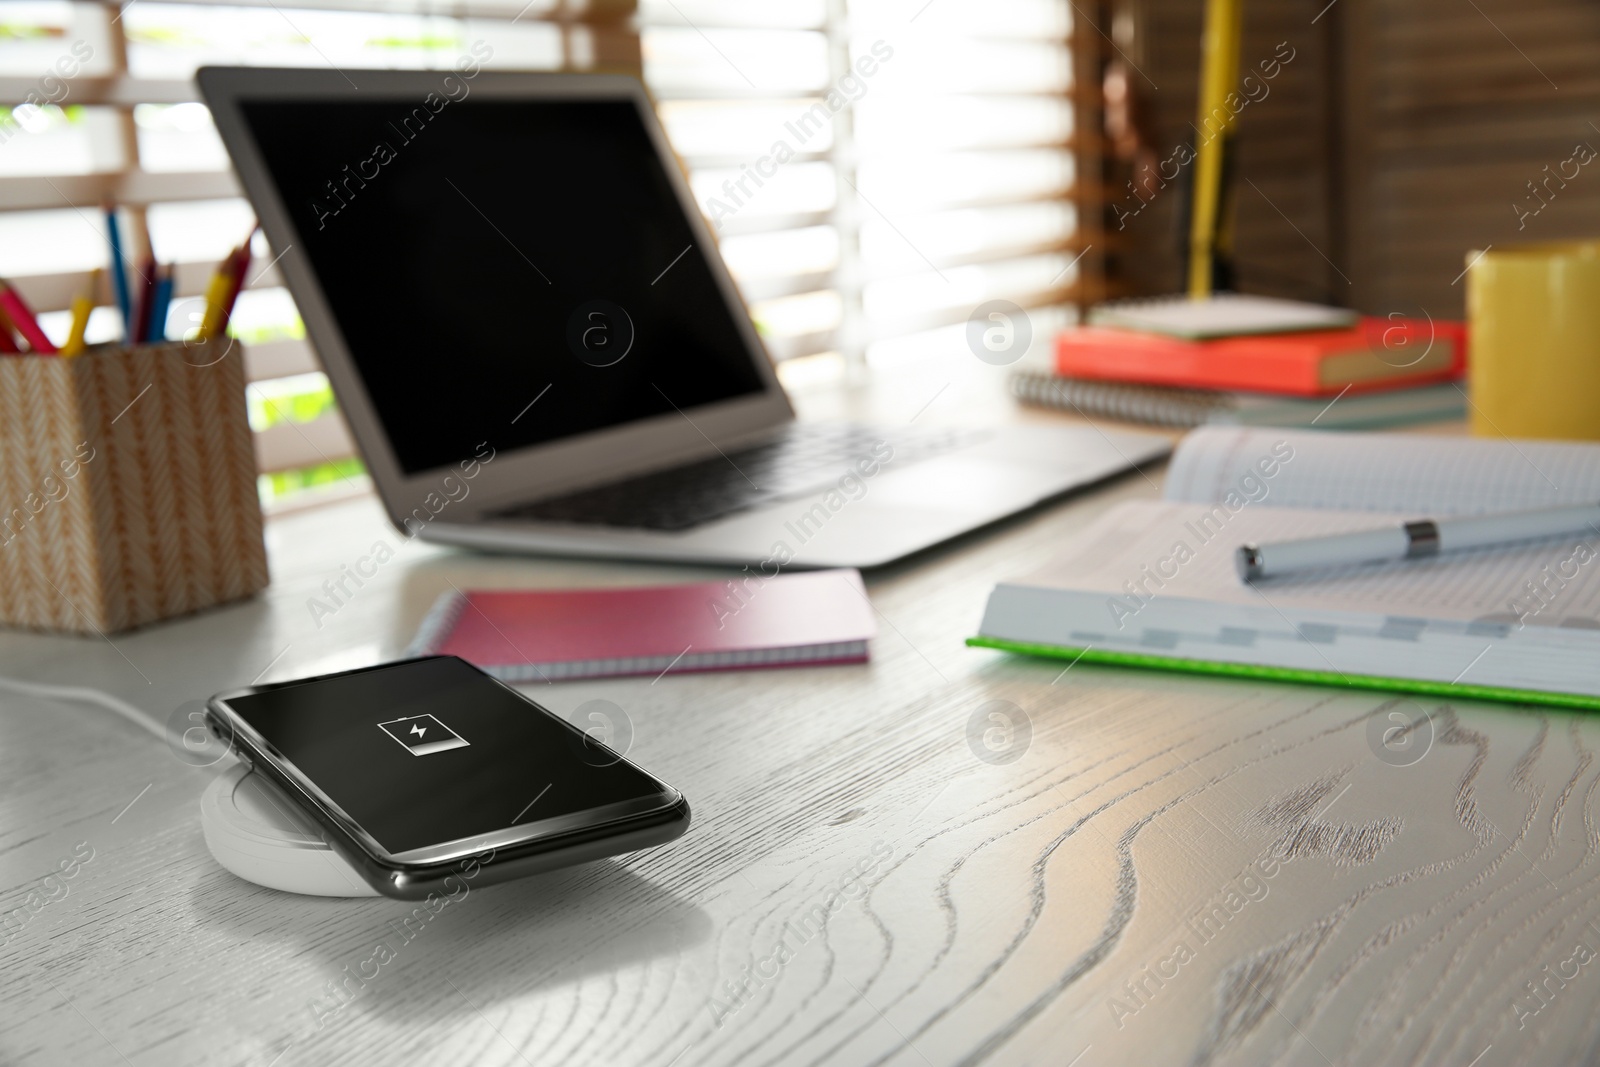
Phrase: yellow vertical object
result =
(82, 307)
(1533, 312)
(216, 296)
(1219, 73)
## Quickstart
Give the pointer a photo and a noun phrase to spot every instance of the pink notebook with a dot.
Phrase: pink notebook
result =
(531, 635)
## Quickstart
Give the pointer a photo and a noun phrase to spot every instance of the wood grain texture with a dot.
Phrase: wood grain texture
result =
(867, 879)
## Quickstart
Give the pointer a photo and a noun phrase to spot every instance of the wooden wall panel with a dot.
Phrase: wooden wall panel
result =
(1281, 149)
(1396, 142)
(1451, 109)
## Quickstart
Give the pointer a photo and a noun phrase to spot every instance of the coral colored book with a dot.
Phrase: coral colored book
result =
(534, 635)
(1376, 354)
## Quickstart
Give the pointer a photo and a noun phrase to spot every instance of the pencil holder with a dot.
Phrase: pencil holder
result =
(127, 486)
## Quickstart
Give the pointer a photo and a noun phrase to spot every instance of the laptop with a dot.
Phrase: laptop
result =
(537, 347)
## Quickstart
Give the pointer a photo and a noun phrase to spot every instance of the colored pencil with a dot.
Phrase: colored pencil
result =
(217, 295)
(156, 332)
(239, 281)
(21, 317)
(82, 307)
(8, 343)
(119, 273)
(148, 275)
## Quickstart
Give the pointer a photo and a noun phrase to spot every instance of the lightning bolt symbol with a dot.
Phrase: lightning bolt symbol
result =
(419, 730)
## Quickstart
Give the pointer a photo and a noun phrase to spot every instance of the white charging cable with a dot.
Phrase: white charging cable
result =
(84, 695)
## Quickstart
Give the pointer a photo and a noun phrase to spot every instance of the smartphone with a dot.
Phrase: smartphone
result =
(424, 769)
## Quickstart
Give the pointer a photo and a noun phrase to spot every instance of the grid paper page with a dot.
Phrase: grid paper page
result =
(1544, 583)
(1416, 475)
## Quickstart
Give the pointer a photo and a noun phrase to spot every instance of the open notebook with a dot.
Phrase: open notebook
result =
(1152, 583)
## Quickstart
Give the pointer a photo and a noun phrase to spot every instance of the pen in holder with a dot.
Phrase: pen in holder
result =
(127, 486)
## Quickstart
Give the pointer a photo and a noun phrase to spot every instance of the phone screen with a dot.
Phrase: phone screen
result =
(429, 751)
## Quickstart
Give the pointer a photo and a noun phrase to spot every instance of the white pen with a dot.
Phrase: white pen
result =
(1412, 540)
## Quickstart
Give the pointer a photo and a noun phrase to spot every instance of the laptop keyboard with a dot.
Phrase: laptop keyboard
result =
(806, 458)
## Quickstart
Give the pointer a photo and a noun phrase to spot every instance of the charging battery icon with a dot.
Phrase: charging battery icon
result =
(423, 735)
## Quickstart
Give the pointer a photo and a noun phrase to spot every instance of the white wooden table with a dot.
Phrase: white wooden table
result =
(1143, 869)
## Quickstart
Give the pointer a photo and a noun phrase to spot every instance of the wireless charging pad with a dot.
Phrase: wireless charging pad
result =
(257, 833)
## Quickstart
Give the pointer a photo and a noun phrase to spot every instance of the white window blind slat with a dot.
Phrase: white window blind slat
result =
(949, 177)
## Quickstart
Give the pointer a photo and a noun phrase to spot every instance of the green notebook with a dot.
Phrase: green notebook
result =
(1152, 583)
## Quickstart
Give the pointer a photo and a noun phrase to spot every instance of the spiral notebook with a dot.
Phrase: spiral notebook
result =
(538, 635)
(1161, 405)
(1152, 583)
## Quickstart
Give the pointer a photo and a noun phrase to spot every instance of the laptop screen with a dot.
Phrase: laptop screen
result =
(481, 256)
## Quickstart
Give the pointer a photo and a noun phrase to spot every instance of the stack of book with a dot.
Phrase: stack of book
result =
(1253, 361)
